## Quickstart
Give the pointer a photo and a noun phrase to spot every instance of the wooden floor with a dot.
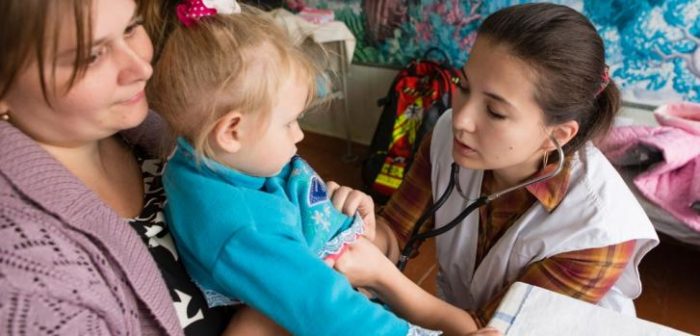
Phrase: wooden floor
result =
(670, 273)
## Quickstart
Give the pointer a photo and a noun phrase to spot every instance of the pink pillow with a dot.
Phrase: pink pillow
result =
(685, 116)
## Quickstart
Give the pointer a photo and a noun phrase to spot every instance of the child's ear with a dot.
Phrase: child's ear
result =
(563, 132)
(226, 134)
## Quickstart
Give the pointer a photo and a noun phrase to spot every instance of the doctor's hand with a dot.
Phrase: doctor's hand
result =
(350, 201)
(364, 265)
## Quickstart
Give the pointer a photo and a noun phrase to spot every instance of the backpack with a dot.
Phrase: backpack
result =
(418, 96)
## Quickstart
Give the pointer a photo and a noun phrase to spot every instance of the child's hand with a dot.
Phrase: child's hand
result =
(349, 201)
(363, 264)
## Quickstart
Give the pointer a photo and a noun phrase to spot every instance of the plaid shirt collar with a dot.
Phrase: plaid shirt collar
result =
(552, 191)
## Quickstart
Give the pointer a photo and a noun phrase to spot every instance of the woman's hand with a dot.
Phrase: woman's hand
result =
(350, 201)
(363, 264)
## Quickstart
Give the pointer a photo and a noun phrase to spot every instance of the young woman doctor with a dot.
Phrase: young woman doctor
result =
(535, 71)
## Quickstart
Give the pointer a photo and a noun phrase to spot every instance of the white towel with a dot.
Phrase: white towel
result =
(530, 310)
(299, 30)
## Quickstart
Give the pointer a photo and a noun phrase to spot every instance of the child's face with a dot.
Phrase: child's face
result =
(107, 99)
(265, 150)
(496, 121)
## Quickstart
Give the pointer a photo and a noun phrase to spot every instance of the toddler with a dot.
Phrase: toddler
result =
(252, 221)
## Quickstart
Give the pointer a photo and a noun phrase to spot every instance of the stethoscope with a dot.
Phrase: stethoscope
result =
(416, 239)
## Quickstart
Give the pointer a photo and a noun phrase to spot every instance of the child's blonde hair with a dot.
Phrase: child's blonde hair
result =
(221, 64)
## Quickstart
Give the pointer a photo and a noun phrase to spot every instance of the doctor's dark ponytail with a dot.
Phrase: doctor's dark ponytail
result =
(608, 102)
(568, 57)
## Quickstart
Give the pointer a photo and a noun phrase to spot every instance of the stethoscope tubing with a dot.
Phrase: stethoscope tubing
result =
(416, 238)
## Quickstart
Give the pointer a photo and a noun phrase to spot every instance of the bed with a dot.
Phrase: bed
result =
(663, 222)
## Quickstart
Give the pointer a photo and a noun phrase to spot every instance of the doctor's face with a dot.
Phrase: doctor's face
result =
(496, 122)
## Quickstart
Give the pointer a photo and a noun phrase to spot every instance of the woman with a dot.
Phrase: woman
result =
(85, 249)
(536, 71)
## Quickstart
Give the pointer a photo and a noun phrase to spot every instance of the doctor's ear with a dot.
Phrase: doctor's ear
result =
(226, 134)
(563, 132)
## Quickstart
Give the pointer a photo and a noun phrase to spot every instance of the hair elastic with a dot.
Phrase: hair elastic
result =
(604, 81)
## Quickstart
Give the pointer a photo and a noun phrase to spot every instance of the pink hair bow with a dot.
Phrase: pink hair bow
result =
(190, 12)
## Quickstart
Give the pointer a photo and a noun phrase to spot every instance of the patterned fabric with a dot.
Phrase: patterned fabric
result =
(191, 11)
(326, 230)
(586, 274)
(497, 216)
(69, 265)
(192, 311)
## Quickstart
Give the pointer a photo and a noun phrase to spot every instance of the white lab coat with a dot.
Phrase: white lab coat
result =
(598, 210)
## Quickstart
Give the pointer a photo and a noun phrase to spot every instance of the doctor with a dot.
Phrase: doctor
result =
(535, 70)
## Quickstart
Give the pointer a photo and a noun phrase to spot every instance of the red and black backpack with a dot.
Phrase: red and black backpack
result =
(419, 94)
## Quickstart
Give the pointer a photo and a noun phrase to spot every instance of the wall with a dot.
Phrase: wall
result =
(367, 84)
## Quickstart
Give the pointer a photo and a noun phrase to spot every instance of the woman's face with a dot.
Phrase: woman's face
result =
(108, 98)
(496, 122)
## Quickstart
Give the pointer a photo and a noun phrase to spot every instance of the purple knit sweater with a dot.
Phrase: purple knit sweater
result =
(69, 265)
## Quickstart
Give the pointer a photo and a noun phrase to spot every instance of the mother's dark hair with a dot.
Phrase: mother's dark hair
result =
(568, 56)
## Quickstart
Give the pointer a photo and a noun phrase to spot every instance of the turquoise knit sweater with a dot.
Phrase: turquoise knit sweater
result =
(258, 240)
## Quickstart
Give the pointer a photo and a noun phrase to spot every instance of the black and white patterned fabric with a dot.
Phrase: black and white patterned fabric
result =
(191, 307)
